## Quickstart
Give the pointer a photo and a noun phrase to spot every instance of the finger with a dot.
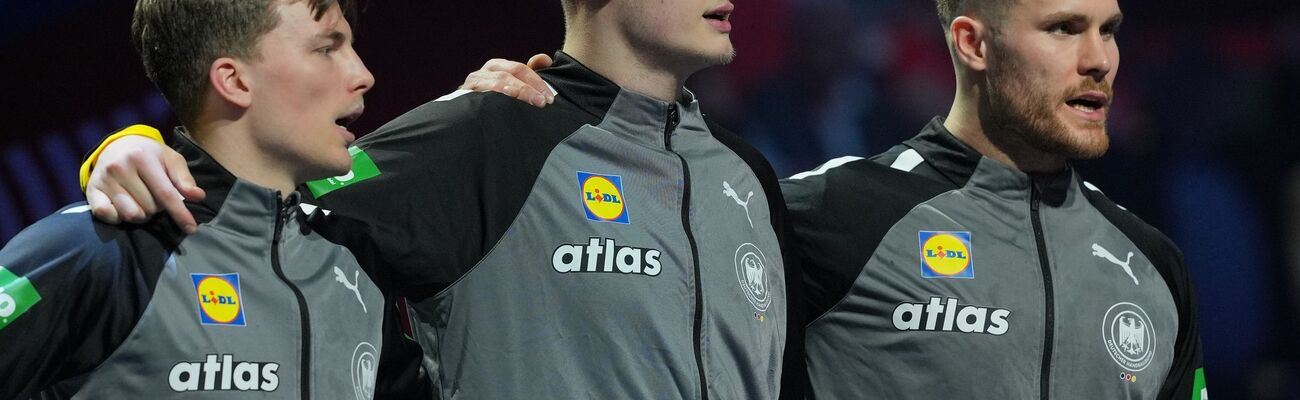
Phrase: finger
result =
(539, 61)
(176, 209)
(473, 81)
(506, 84)
(520, 90)
(179, 172)
(528, 74)
(101, 207)
(127, 208)
(499, 64)
(134, 202)
(530, 94)
(165, 192)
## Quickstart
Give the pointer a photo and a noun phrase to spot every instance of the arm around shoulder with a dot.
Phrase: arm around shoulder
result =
(55, 276)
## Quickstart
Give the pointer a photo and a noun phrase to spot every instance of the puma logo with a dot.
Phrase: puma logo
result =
(1099, 251)
(356, 276)
(727, 190)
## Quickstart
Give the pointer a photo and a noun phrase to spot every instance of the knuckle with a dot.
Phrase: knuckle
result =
(137, 156)
(116, 169)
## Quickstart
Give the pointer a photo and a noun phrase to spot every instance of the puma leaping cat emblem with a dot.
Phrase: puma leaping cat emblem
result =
(727, 190)
(1099, 251)
(356, 276)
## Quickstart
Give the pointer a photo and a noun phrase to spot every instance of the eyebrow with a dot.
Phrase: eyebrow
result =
(333, 36)
(1115, 20)
(1066, 16)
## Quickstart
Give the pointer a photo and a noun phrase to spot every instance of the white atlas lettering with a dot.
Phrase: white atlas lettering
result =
(604, 255)
(949, 315)
(222, 372)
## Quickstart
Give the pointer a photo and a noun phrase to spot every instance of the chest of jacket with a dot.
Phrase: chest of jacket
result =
(251, 304)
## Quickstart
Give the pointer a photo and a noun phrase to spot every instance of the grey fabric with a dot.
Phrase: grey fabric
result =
(590, 329)
(857, 349)
(261, 359)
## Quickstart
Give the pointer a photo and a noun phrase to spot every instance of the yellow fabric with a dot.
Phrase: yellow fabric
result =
(141, 130)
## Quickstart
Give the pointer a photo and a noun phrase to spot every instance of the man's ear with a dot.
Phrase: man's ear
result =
(970, 41)
(227, 78)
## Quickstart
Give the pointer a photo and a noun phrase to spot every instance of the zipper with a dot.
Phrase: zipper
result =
(1049, 326)
(673, 118)
(283, 211)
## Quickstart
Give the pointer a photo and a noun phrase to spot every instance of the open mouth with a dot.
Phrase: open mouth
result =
(1088, 102)
(721, 14)
(717, 16)
(349, 118)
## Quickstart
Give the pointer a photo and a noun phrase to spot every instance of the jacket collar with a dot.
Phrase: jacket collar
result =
(230, 202)
(962, 166)
(622, 111)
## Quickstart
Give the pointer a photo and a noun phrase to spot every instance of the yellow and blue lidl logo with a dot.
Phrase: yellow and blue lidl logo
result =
(602, 197)
(946, 255)
(220, 299)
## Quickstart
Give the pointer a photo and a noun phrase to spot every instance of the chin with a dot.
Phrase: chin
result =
(338, 164)
(726, 56)
(1087, 142)
(341, 167)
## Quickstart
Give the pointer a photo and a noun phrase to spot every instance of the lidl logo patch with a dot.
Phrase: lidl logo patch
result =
(362, 168)
(220, 300)
(17, 295)
(946, 255)
(602, 197)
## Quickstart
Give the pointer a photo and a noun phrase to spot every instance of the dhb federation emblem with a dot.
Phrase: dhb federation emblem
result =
(751, 271)
(363, 371)
(1129, 337)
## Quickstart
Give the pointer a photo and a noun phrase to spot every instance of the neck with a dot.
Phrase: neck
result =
(231, 145)
(605, 50)
(970, 124)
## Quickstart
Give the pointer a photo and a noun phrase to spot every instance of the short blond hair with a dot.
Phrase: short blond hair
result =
(991, 11)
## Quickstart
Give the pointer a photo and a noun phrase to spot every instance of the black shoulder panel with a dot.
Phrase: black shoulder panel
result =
(840, 218)
(794, 375)
(453, 176)
(94, 281)
(1168, 260)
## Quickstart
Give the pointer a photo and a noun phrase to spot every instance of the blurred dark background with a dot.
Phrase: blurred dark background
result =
(1208, 101)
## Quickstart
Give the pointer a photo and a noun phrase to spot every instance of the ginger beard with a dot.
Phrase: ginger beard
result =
(1021, 107)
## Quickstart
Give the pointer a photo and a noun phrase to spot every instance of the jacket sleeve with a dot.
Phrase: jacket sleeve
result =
(65, 303)
(413, 198)
(1186, 378)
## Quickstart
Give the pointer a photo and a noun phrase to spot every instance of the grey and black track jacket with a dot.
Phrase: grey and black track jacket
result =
(951, 275)
(609, 246)
(256, 304)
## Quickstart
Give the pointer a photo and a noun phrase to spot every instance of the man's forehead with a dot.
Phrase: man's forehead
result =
(1092, 8)
(300, 19)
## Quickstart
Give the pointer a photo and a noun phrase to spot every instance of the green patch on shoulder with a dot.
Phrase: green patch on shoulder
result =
(1199, 392)
(362, 168)
(17, 295)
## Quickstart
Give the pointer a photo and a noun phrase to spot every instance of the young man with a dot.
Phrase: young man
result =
(612, 245)
(989, 269)
(254, 300)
